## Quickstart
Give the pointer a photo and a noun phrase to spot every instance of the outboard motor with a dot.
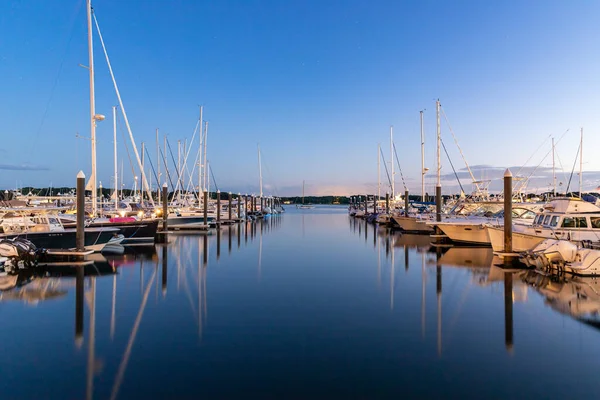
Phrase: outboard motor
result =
(19, 252)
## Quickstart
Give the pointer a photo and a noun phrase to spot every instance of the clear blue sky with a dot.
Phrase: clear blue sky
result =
(316, 83)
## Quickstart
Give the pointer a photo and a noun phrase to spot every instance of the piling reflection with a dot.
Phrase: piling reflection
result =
(574, 296)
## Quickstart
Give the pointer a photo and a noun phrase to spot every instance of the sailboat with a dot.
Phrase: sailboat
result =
(305, 206)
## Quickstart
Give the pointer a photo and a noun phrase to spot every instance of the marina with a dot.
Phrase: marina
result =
(275, 258)
(308, 303)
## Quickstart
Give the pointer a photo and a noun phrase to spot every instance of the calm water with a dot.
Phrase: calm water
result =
(312, 304)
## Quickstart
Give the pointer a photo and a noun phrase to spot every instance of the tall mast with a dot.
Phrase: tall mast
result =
(302, 192)
(438, 188)
(142, 184)
(260, 172)
(158, 185)
(378, 171)
(439, 144)
(581, 164)
(92, 107)
(422, 158)
(392, 158)
(115, 151)
(200, 156)
(553, 171)
(206, 180)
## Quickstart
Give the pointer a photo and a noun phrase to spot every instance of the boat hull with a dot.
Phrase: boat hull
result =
(412, 224)
(474, 234)
(520, 242)
(94, 239)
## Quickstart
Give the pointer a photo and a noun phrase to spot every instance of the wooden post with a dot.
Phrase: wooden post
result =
(239, 198)
(230, 206)
(438, 203)
(218, 209)
(507, 215)
(374, 205)
(165, 196)
(80, 234)
(387, 203)
(406, 203)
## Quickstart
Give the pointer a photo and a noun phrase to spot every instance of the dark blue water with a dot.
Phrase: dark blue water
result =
(311, 304)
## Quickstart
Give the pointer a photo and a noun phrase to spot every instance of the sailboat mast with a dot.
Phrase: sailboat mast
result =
(439, 144)
(142, 185)
(206, 180)
(392, 158)
(378, 171)
(553, 171)
(302, 192)
(200, 156)
(260, 173)
(115, 155)
(158, 186)
(438, 188)
(581, 163)
(92, 106)
(422, 158)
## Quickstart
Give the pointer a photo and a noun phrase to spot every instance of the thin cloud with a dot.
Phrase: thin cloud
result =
(23, 167)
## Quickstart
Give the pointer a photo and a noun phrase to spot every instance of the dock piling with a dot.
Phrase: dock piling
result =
(80, 234)
(230, 199)
(218, 209)
(165, 204)
(507, 216)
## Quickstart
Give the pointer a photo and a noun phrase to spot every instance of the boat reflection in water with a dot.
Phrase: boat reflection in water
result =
(577, 297)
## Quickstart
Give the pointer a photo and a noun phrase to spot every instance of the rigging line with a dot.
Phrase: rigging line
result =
(460, 150)
(573, 170)
(127, 149)
(74, 18)
(152, 166)
(561, 167)
(547, 154)
(531, 156)
(452, 165)
(184, 167)
(385, 165)
(399, 168)
(122, 107)
(167, 169)
(176, 169)
(213, 176)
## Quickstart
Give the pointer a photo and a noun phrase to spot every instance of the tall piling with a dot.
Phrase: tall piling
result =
(387, 203)
(80, 234)
(507, 216)
(406, 203)
(230, 199)
(165, 210)
(438, 203)
(218, 209)
(239, 206)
